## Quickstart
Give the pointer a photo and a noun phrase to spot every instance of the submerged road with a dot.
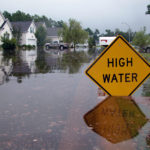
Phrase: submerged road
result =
(62, 111)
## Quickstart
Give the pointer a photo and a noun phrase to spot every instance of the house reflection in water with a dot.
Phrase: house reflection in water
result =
(53, 60)
(116, 118)
(5, 68)
(30, 57)
(24, 64)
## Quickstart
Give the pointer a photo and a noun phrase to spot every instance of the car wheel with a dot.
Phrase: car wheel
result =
(148, 50)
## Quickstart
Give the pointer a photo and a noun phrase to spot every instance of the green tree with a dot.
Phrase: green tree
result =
(89, 31)
(126, 35)
(17, 35)
(141, 39)
(91, 42)
(59, 23)
(148, 9)
(7, 15)
(73, 33)
(96, 35)
(93, 37)
(17, 16)
(9, 45)
(20, 16)
(109, 32)
(41, 36)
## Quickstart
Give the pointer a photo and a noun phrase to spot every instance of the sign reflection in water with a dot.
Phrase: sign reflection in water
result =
(116, 118)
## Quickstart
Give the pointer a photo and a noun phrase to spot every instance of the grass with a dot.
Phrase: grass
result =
(146, 56)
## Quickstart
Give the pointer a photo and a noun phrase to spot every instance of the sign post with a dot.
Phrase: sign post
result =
(120, 69)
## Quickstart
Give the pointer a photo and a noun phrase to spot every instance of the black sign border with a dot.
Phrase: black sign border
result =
(119, 36)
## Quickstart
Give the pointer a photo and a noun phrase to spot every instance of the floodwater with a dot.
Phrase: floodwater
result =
(47, 103)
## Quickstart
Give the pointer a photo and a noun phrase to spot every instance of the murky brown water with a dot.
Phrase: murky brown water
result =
(47, 103)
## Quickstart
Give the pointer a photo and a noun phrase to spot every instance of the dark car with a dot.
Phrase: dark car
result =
(56, 45)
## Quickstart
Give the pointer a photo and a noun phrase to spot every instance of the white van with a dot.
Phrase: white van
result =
(105, 41)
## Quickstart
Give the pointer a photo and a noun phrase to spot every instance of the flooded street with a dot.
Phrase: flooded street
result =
(48, 103)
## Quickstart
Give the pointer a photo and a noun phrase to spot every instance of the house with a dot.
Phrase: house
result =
(27, 30)
(38, 24)
(5, 28)
(52, 34)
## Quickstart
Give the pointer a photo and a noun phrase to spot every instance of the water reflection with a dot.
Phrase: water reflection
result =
(41, 65)
(116, 118)
(24, 64)
(5, 68)
(27, 62)
(72, 61)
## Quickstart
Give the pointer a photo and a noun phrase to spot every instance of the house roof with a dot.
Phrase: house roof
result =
(22, 25)
(2, 15)
(52, 31)
(5, 21)
(3, 24)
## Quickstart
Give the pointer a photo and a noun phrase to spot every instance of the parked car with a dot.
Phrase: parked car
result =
(147, 49)
(57, 45)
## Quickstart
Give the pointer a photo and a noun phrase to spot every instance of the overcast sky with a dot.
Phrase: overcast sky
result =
(101, 14)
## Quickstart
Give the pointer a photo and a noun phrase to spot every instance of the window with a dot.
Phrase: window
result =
(6, 35)
(31, 30)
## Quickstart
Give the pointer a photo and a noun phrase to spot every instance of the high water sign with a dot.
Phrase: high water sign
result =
(120, 69)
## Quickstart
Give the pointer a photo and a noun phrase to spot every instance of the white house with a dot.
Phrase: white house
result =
(52, 34)
(5, 28)
(27, 29)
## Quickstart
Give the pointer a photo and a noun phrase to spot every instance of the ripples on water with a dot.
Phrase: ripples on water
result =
(48, 103)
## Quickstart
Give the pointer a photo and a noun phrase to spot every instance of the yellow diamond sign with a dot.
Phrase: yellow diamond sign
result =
(120, 69)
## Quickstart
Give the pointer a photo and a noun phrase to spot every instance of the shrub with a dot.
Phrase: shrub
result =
(29, 47)
(9, 45)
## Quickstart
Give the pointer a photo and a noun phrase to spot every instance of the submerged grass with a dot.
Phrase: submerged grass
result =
(146, 56)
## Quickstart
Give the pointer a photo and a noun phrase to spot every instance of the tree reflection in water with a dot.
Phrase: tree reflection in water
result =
(41, 65)
(27, 62)
(116, 118)
(72, 61)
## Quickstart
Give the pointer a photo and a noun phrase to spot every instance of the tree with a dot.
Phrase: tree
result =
(91, 42)
(73, 33)
(89, 31)
(59, 23)
(41, 36)
(109, 32)
(7, 15)
(9, 45)
(127, 35)
(17, 34)
(96, 35)
(20, 16)
(141, 39)
(148, 9)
